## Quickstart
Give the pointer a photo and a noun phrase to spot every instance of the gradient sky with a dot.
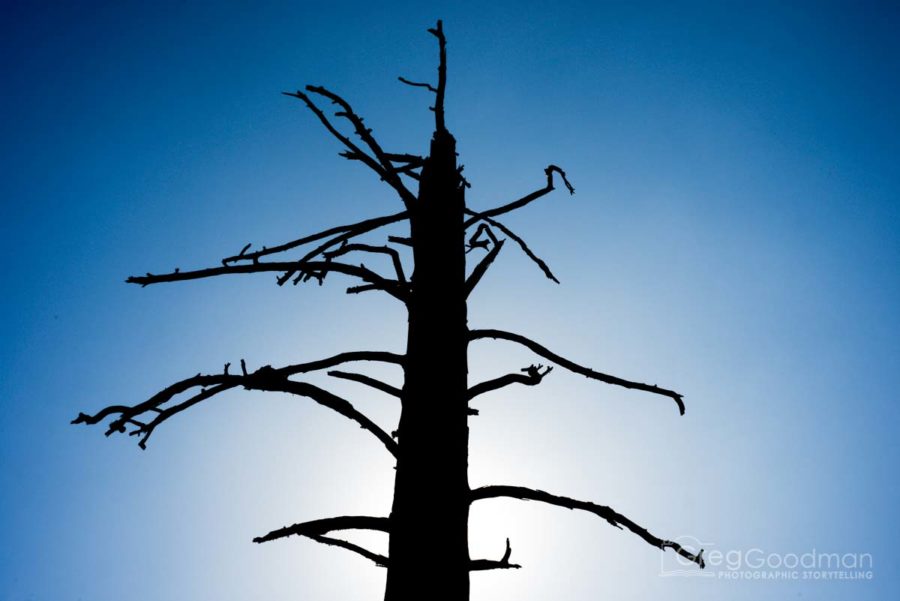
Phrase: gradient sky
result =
(734, 235)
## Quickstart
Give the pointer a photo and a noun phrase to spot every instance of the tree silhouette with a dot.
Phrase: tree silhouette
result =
(428, 522)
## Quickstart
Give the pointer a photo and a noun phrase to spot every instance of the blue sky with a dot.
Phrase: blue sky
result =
(733, 236)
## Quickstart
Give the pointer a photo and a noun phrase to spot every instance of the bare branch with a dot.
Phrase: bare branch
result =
(385, 250)
(379, 164)
(368, 381)
(532, 376)
(326, 399)
(317, 529)
(518, 204)
(518, 240)
(404, 157)
(331, 242)
(476, 241)
(613, 517)
(402, 240)
(380, 560)
(482, 268)
(438, 32)
(265, 378)
(326, 525)
(355, 229)
(311, 268)
(490, 564)
(418, 84)
(574, 367)
(365, 134)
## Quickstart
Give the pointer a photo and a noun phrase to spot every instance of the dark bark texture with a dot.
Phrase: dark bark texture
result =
(450, 248)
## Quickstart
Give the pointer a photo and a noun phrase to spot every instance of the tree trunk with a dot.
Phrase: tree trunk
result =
(428, 548)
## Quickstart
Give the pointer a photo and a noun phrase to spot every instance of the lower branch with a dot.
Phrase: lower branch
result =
(574, 367)
(266, 378)
(317, 529)
(368, 381)
(610, 515)
(490, 564)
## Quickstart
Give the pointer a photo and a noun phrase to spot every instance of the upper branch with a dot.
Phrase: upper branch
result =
(517, 204)
(380, 164)
(345, 231)
(438, 32)
(574, 367)
(314, 268)
(610, 515)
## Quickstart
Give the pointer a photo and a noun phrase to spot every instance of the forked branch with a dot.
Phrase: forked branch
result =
(574, 367)
(318, 529)
(346, 231)
(528, 198)
(380, 163)
(159, 408)
(610, 515)
(316, 269)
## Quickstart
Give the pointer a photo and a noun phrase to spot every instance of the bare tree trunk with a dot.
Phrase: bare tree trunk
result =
(429, 518)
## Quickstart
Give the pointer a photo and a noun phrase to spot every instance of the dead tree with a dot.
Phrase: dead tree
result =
(430, 444)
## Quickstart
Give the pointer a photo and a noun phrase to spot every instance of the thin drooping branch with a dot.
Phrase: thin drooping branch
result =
(330, 243)
(317, 529)
(384, 250)
(491, 564)
(330, 400)
(265, 378)
(380, 560)
(314, 268)
(610, 515)
(517, 239)
(326, 525)
(528, 198)
(368, 381)
(574, 367)
(353, 229)
(379, 164)
(531, 376)
(482, 268)
(438, 32)
(418, 84)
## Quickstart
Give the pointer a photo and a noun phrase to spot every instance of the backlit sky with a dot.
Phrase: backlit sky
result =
(734, 236)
